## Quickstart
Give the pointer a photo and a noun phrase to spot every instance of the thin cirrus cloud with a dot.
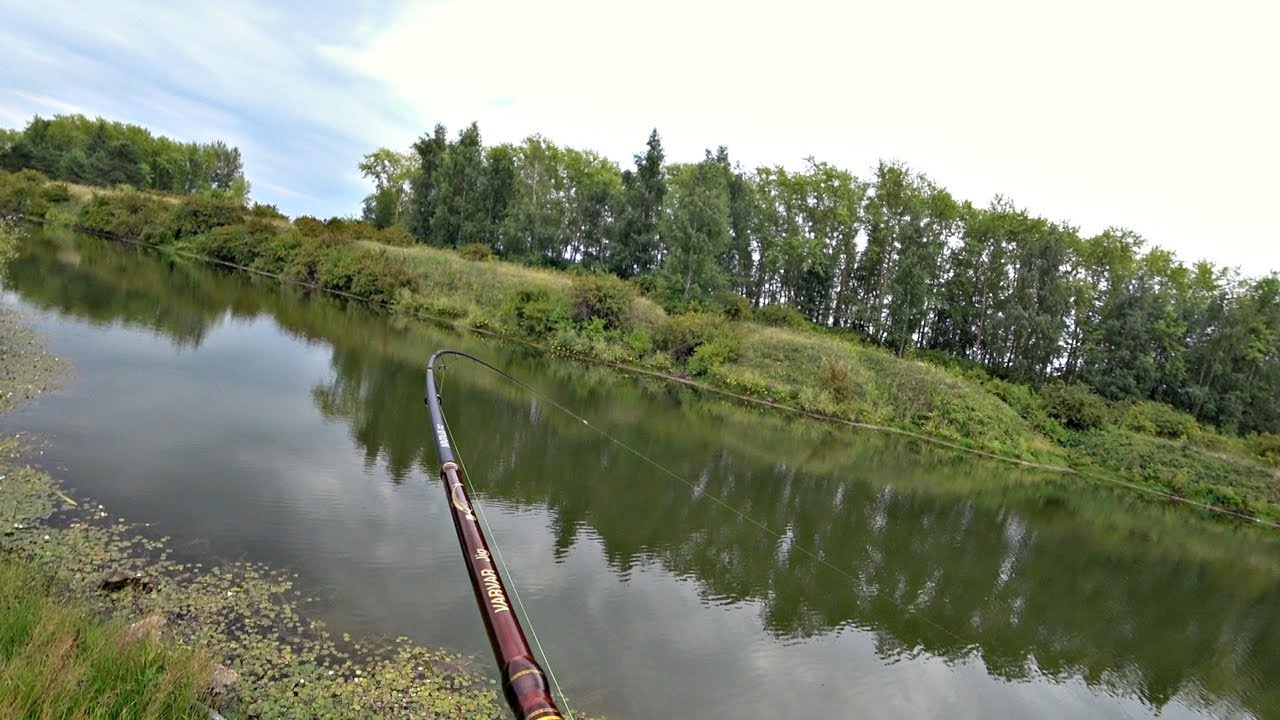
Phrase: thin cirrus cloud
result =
(1156, 116)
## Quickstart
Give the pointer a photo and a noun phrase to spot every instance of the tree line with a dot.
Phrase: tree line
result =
(100, 152)
(893, 257)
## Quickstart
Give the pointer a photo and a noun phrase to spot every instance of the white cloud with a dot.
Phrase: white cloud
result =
(1157, 116)
(48, 104)
(232, 71)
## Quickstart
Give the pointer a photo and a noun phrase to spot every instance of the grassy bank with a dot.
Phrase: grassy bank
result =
(768, 355)
(58, 660)
(98, 621)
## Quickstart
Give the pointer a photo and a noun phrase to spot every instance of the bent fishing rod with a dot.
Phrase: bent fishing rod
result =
(523, 681)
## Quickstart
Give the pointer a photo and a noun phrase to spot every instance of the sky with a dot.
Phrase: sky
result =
(1160, 117)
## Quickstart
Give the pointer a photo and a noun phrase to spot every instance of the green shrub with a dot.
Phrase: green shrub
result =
(1267, 447)
(1158, 419)
(22, 193)
(535, 312)
(781, 316)
(197, 215)
(395, 235)
(1075, 406)
(1181, 469)
(349, 229)
(310, 253)
(602, 297)
(309, 226)
(55, 193)
(10, 234)
(835, 380)
(241, 244)
(478, 252)
(741, 380)
(267, 212)
(128, 216)
(646, 284)
(1026, 403)
(379, 276)
(589, 338)
(729, 304)
(639, 342)
(278, 251)
(713, 354)
(367, 274)
(681, 335)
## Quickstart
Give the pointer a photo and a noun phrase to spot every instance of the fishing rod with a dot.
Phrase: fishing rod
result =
(523, 681)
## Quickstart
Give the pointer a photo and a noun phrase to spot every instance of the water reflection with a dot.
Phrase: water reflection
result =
(930, 554)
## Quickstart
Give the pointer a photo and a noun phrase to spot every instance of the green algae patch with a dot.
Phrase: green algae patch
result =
(250, 617)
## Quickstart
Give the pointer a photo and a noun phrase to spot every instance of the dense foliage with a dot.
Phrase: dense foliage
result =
(104, 153)
(894, 258)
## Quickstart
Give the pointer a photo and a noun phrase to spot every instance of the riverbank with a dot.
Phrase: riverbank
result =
(117, 628)
(768, 357)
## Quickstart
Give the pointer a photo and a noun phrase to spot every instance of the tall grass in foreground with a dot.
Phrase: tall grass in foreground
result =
(57, 661)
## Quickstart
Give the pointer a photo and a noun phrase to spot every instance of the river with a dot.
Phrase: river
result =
(795, 569)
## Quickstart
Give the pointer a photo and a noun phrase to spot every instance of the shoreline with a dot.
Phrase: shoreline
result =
(248, 617)
(1086, 468)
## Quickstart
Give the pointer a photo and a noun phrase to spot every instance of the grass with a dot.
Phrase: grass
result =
(482, 292)
(58, 661)
(840, 378)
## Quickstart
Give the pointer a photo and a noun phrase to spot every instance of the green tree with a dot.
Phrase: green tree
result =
(593, 187)
(738, 260)
(909, 222)
(497, 190)
(1235, 370)
(459, 215)
(225, 165)
(100, 152)
(644, 189)
(836, 217)
(695, 229)
(424, 182)
(535, 225)
(1032, 314)
(391, 173)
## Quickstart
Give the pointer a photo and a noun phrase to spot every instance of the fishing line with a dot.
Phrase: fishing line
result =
(497, 552)
(741, 515)
(1170, 496)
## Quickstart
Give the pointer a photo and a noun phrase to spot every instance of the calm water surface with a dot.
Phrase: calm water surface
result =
(248, 420)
